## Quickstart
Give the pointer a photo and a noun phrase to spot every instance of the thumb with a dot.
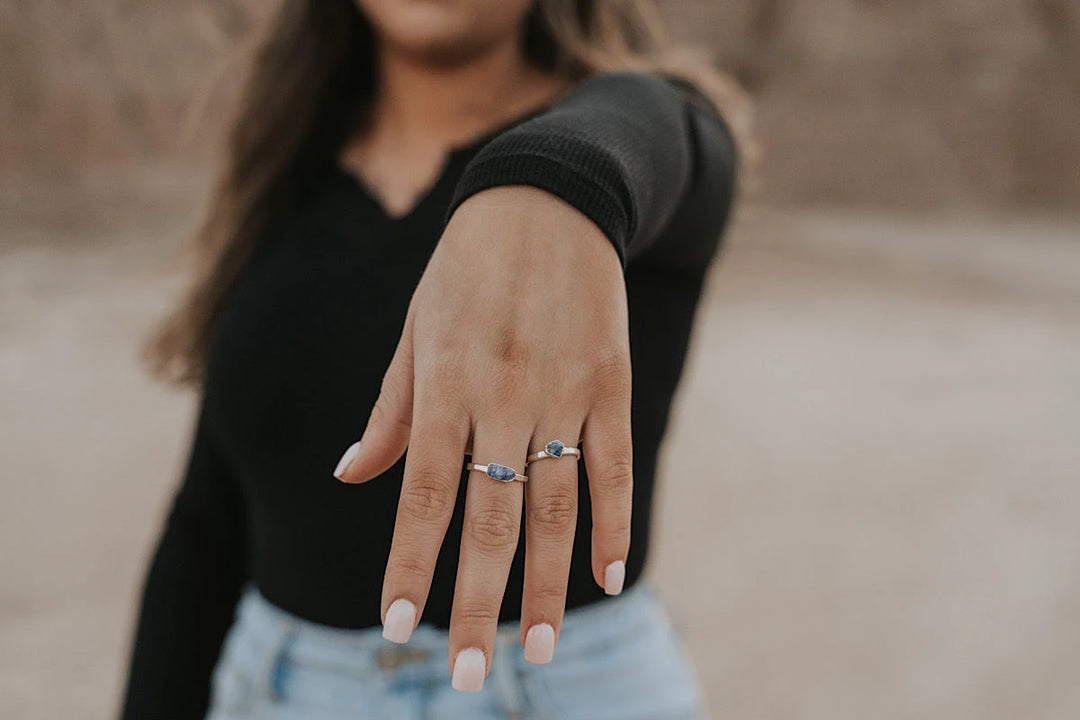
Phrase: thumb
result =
(387, 433)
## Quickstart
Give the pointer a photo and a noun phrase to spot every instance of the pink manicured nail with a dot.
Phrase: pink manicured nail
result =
(400, 621)
(540, 644)
(614, 575)
(469, 666)
(346, 460)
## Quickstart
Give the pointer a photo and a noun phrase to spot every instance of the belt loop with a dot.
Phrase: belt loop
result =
(280, 666)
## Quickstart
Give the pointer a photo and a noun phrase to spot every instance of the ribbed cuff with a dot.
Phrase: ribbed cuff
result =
(595, 199)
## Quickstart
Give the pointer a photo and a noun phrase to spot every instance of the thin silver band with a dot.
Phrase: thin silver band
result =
(487, 470)
(562, 451)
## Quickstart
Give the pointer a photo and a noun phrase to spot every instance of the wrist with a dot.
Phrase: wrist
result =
(533, 223)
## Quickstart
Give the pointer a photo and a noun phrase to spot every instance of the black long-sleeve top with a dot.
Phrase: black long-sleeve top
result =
(300, 350)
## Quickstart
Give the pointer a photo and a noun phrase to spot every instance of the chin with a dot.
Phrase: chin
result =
(444, 31)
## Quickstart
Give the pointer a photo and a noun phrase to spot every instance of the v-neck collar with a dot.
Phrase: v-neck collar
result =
(453, 159)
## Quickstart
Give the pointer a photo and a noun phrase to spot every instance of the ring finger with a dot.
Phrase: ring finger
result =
(551, 508)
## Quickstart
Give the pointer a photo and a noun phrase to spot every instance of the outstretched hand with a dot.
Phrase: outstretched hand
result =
(515, 336)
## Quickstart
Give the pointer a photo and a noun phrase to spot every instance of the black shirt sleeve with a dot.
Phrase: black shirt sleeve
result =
(191, 590)
(637, 153)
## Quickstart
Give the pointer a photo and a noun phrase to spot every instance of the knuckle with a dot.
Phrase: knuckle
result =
(423, 469)
(616, 531)
(408, 566)
(506, 386)
(441, 408)
(611, 371)
(510, 348)
(617, 478)
(426, 500)
(472, 612)
(555, 512)
(493, 529)
(380, 412)
(444, 371)
(549, 594)
(510, 364)
(438, 396)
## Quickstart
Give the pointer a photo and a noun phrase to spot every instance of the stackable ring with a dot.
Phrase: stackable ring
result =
(499, 472)
(553, 449)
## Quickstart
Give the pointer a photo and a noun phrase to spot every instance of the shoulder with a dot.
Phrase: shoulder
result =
(656, 90)
(633, 86)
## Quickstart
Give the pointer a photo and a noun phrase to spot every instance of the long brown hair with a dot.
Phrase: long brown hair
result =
(308, 88)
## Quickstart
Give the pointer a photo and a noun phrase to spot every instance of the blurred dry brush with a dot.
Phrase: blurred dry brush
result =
(919, 104)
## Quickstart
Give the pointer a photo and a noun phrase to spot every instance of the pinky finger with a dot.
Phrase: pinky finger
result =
(608, 450)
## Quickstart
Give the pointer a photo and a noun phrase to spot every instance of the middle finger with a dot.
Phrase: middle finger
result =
(489, 541)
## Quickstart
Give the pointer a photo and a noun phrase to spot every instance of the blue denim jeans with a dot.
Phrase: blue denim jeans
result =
(620, 658)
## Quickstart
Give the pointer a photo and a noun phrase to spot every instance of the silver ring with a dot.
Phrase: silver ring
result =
(553, 449)
(502, 473)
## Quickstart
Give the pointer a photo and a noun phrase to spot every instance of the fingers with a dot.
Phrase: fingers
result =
(608, 453)
(551, 509)
(390, 424)
(428, 493)
(489, 540)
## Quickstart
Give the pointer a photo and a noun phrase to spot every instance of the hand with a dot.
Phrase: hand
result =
(516, 335)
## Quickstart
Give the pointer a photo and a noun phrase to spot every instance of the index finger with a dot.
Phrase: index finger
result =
(425, 506)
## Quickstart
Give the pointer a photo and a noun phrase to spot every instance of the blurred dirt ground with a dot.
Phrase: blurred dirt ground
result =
(870, 503)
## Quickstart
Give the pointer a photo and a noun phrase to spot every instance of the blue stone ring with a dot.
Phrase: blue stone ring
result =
(497, 471)
(553, 449)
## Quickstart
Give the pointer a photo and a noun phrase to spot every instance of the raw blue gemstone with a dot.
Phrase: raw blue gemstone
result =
(554, 448)
(500, 472)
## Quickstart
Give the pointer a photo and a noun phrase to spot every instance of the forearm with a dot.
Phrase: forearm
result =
(631, 151)
(190, 593)
(187, 607)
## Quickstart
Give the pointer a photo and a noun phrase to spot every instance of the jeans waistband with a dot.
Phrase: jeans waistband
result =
(365, 650)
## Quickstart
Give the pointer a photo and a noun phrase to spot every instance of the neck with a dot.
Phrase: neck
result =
(447, 104)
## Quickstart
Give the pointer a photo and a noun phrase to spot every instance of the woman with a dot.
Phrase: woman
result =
(462, 222)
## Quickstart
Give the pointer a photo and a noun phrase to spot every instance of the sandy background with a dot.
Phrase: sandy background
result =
(871, 505)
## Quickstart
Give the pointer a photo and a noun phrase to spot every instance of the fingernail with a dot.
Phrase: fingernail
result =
(400, 621)
(346, 460)
(614, 575)
(469, 666)
(540, 644)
